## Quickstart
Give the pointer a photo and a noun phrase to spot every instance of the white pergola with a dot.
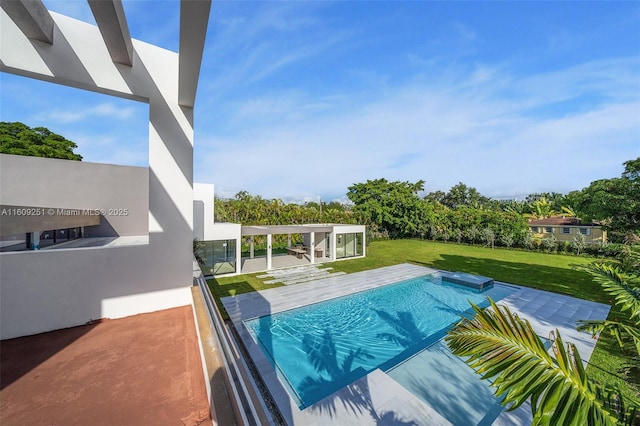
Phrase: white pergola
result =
(37, 24)
(48, 46)
(269, 231)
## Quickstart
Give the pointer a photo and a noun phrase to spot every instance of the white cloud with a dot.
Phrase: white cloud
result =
(442, 134)
(80, 113)
(260, 43)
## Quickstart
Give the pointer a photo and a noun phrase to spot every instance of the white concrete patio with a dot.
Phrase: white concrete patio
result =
(259, 264)
(377, 397)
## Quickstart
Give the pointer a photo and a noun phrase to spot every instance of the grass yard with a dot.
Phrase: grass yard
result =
(230, 286)
(548, 272)
(531, 269)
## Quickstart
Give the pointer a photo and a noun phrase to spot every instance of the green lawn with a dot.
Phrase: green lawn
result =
(230, 286)
(532, 269)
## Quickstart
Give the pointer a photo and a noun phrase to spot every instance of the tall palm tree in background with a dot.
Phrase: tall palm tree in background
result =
(542, 208)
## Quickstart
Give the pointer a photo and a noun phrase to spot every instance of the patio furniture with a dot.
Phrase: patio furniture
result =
(297, 252)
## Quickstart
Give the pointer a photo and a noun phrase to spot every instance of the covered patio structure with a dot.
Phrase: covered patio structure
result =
(321, 243)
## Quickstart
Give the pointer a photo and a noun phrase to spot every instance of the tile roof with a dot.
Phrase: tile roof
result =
(561, 221)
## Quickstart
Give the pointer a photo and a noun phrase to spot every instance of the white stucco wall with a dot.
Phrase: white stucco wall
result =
(344, 229)
(120, 191)
(203, 210)
(47, 290)
(224, 231)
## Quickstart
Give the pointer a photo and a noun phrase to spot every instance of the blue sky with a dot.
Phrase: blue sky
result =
(299, 100)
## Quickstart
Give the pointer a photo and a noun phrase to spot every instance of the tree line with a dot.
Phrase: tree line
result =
(394, 209)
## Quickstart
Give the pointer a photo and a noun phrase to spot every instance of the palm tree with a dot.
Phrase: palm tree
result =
(542, 208)
(569, 211)
(500, 344)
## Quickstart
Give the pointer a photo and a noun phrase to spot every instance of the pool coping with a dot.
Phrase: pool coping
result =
(544, 310)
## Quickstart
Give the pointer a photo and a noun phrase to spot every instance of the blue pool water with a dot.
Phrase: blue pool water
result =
(320, 348)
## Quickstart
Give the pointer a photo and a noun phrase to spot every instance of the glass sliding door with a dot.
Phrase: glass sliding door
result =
(327, 244)
(348, 245)
(340, 253)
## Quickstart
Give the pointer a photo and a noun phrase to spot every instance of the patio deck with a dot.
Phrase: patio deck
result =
(139, 370)
(259, 264)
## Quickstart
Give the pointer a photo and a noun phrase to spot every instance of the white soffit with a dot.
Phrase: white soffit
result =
(32, 17)
(111, 20)
(194, 19)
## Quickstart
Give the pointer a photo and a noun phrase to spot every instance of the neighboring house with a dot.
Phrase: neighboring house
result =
(566, 229)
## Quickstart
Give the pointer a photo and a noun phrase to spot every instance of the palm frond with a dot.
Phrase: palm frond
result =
(614, 282)
(499, 344)
(614, 402)
(614, 328)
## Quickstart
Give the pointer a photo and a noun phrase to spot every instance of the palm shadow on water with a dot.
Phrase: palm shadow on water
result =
(468, 390)
(407, 336)
(337, 374)
(408, 333)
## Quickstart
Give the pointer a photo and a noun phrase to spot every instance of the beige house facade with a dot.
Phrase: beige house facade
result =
(566, 229)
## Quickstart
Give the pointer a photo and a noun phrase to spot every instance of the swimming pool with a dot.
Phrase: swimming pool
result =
(320, 348)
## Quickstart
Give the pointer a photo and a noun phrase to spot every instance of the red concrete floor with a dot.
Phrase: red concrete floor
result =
(140, 370)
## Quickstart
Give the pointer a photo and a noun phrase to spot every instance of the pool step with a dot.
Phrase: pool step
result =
(297, 276)
(312, 278)
(291, 271)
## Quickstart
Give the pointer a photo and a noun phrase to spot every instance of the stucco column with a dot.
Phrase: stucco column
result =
(312, 247)
(364, 244)
(268, 251)
(238, 255)
(332, 244)
(251, 248)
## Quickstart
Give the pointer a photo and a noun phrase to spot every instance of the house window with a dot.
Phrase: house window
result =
(548, 230)
(534, 229)
(585, 231)
(217, 257)
(566, 230)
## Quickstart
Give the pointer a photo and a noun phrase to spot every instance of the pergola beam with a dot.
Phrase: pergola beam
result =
(112, 22)
(32, 17)
(194, 19)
